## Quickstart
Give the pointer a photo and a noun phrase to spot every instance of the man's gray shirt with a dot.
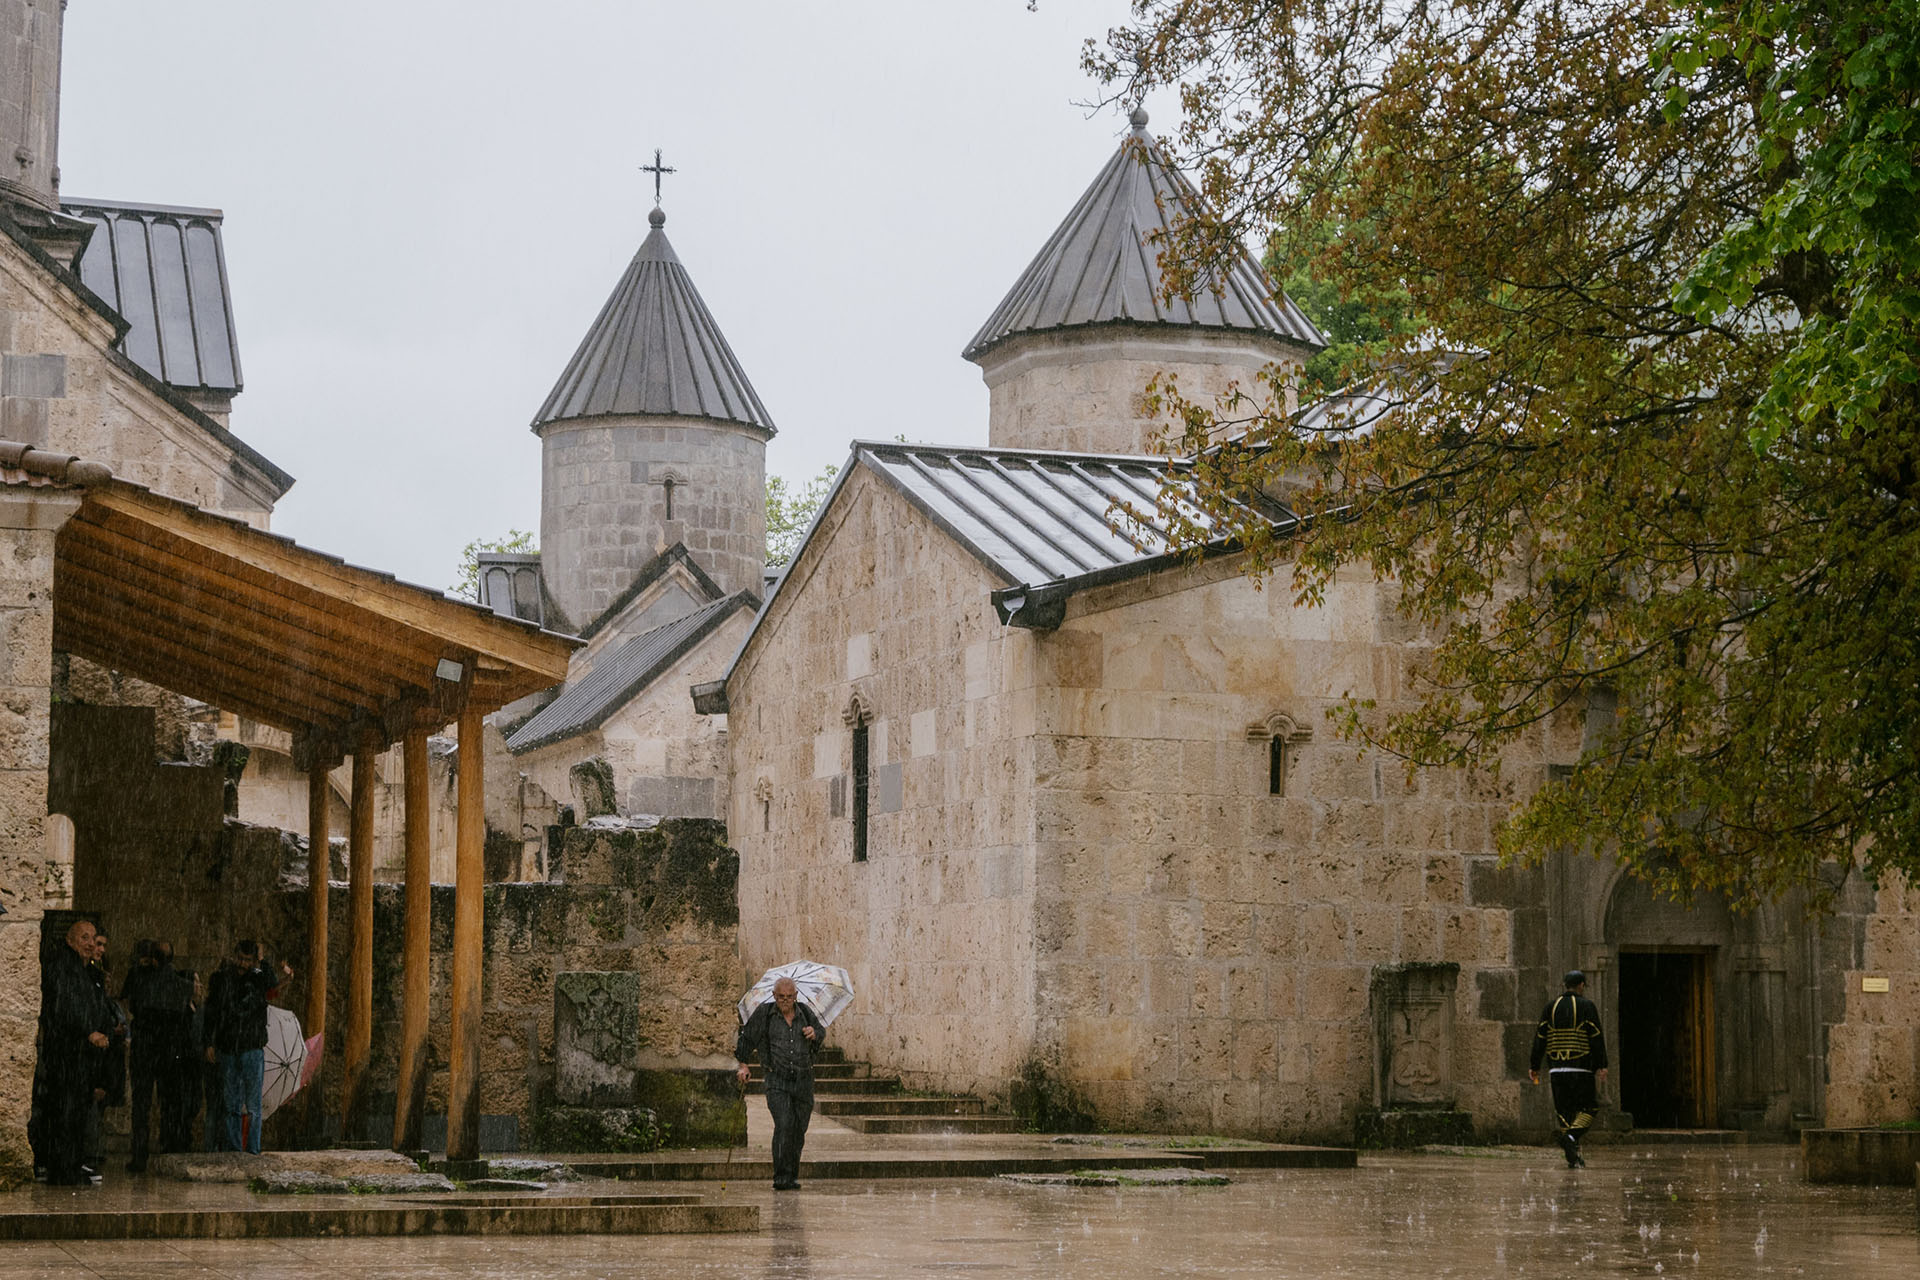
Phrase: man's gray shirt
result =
(785, 1053)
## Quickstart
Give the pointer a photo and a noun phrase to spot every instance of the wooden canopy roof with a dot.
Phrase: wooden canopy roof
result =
(256, 624)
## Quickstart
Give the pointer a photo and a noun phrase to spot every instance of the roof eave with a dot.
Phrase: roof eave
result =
(742, 599)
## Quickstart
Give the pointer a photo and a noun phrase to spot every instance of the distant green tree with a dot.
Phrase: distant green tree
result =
(789, 513)
(1363, 322)
(467, 584)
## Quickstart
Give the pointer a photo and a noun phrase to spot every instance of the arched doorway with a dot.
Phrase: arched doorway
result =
(1670, 971)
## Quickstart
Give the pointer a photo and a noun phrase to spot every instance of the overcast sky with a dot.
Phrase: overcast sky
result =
(427, 201)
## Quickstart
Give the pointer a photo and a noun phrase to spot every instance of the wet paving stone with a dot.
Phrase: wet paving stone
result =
(1705, 1213)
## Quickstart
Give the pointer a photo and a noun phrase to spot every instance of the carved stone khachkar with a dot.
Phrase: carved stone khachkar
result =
(1412, 1007)
(1413, 1082)
(596, 1036)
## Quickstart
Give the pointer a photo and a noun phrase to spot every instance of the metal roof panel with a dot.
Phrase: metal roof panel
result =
(1036, 517)
(617, 677)
(1102, 266)
(163, 269)
(655, 349)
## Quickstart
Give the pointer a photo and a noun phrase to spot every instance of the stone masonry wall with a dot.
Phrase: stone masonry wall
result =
(1206, 946)
(156, 858)
(1080, 391)
(603, 505)
(60, 390)
(884, 617)
(26, 655)
(666, 759)
(1873, 1056)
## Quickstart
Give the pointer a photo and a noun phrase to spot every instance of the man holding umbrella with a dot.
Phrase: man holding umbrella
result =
(786, 1034)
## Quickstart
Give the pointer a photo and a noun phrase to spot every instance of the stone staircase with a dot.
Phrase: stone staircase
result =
(856, 1098)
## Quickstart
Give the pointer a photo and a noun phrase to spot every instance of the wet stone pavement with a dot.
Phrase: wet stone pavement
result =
(1693, 1212)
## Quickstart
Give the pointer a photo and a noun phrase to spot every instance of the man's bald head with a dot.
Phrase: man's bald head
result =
(80, 936)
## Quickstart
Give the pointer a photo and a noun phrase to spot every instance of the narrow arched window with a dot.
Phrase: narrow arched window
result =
(1283, 736)
(667, 485)
(861, 780)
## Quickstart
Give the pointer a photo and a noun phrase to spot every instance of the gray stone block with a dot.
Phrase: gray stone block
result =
(1497, 994)
(675, 797)
(24, 420)
(37, 377)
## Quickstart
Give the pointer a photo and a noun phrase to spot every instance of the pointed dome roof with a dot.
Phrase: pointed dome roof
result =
(1100, 267)
(655, 349)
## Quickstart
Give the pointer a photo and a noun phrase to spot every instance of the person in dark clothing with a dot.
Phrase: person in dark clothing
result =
(234, 1032)
(109, 1064)
(161, 1002)
(1569, 1041)
(74, 1026)
(786, 1034)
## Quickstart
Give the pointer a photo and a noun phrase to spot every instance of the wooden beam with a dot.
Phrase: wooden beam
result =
(150, 640)
(469, 921)
(359, 1036)
(182, 624)
(341, 634)
(81, 644)
(469, 626)
(319, 868)
(410, 1098)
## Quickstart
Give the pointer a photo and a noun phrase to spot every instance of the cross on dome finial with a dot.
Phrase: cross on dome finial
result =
(658, 170)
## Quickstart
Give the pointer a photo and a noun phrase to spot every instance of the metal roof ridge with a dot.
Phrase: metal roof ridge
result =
(133, 206)
(1149, 459)
(655, 349)
(696, 625)
(1098, 266)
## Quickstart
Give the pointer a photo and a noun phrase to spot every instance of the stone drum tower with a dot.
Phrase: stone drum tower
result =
(652, 437)
(1068, 351)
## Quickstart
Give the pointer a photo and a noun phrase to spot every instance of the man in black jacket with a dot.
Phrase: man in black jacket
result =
(109, 1064)
(786, 1034)
(1570, 1042)
(74, 1027)
(235, 1032)
(161, 1002)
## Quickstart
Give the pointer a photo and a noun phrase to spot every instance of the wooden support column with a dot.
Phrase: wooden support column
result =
(319, 868)
(359, 1035)
(469, 920)
(411, 1094)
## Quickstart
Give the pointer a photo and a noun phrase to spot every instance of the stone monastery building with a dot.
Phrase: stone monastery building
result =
(1066, 804)
(1064, 801)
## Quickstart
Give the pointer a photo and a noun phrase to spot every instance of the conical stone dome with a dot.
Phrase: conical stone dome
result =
(1087, 324)
(655, 349)
(652, 437)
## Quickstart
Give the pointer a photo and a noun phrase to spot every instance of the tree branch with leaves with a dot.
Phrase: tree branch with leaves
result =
(1655, 434)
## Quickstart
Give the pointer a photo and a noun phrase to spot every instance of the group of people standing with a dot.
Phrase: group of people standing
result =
(175, 1042)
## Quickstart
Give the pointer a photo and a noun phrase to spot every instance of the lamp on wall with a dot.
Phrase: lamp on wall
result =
(449, 670)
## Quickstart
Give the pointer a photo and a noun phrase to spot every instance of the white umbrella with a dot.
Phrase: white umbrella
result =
(824, 988)
(286, 1058)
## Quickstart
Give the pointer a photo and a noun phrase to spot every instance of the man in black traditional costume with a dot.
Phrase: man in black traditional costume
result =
(1573, 1047)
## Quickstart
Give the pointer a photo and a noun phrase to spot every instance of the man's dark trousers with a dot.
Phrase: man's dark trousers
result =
(144, 1071)
(791, 1112)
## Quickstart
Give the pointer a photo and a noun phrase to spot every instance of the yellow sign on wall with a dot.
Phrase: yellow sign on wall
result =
(1873, 984)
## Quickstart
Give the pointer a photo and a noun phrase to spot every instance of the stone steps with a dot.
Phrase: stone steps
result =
(863, 1086)
(908, 1161)
(947, 1123)
(826, 1071)
(865, 1103)
(828, 1104)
